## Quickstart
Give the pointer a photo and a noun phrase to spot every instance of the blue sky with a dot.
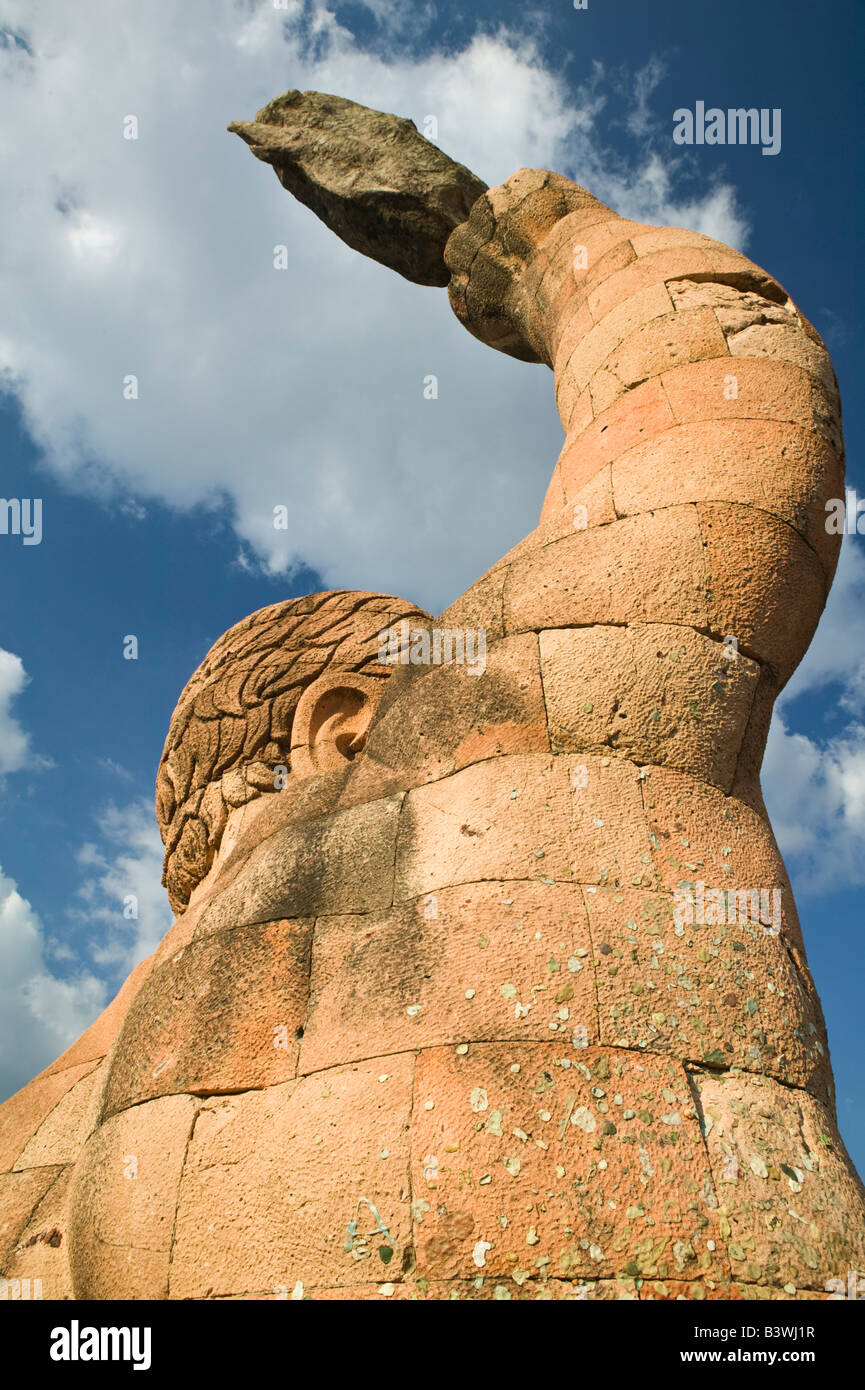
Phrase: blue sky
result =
(258, 387)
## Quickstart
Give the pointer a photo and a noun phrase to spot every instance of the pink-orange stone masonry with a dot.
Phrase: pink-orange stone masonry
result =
(430, 1023)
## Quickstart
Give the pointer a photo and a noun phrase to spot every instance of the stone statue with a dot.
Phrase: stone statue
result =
(487, 979)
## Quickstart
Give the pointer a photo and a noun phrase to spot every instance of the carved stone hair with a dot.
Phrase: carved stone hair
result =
(232, 724)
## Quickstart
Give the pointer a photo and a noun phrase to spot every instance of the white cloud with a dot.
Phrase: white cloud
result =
(40, 1013)
(815, 785)
(122, 888)
(641, 119)
(815, 794)
(837, 654)
(43, 1011)
(116, 769)
(260, 387)
(14, 741)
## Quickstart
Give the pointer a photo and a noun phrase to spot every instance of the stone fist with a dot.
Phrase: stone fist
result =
(371, 177)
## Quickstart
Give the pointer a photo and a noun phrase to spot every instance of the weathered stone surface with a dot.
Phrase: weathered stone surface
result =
(460, 716)
(41, 1251)
(225, 1013)
(767, 388)
(725, 991)
(23, 1113)
(532, 1152)
(654, 693)
(789, 1201)
(545, 1288)
(746, 783)
(330, 864)
(504, 819)
(643, 569)
(523, 818)
(697, 831)
(492, 960)
(123, 1201)
(486, 254)
(592, 505)
(61, 1134)
(589, 343)
(274, 1179)
(774, 627)
(371, 178)
(631, 419)
(665, 343)
(20, 1195)
(763, 465)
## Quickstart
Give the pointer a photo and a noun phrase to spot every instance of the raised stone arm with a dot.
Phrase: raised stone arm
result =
(700, 409)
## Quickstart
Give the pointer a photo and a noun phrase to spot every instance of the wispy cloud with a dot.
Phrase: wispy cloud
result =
(815, 782)
(122, 890)
(41, 1011)
(115, 769)
(14, 741)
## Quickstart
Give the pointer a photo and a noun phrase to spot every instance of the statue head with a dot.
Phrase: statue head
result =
(285, 694)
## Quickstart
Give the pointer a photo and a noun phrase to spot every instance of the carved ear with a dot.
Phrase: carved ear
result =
(331, 722)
